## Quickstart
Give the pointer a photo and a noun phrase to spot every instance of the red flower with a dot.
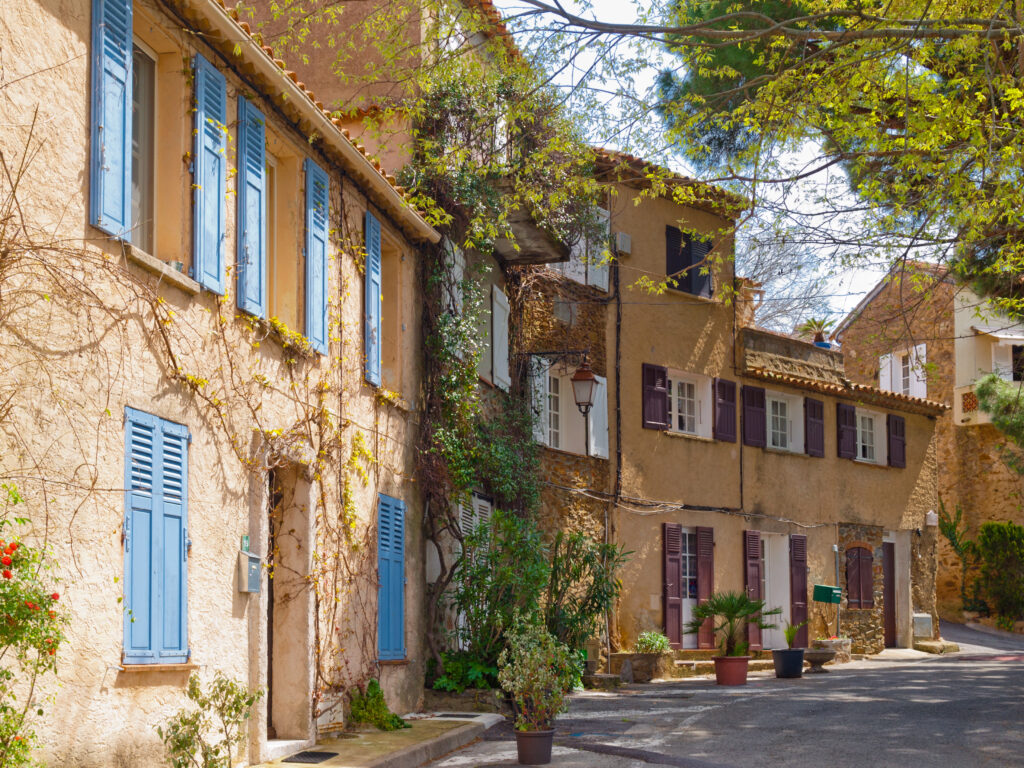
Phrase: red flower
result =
(13, 546)
(53, 651)
(55, 596)
(8, 574)
(53, 614)
(6, 560)
(29, 603)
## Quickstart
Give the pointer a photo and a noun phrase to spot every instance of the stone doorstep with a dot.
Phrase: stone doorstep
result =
(694, 668)
(936, 646)
(428, 739)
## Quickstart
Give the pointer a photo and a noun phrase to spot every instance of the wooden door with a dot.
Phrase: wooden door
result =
(889, 592)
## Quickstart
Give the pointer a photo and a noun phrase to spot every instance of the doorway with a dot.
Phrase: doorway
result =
(689, 583)
(889, 592)
(775, 588)
(289, 605)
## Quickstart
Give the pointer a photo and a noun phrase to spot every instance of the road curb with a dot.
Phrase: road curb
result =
(416, 755)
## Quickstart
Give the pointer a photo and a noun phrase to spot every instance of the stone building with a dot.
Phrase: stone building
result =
(210, 376)
(738, 459)
(919, 332)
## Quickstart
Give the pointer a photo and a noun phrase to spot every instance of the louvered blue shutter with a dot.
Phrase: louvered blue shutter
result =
(317, 216)
(373, 299)
(252, 209)
(210, 175)
(391, 574)
(156, 544)
(110, 150)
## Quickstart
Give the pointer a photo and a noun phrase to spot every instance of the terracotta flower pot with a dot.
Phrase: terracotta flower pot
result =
(731, 670)
(534, 747)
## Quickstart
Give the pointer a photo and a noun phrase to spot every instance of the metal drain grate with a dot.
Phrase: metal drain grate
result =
(310, 758)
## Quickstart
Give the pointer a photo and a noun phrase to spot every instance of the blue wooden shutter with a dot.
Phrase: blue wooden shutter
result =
(373, 300)
(110, 149)
(252, 209)
(156, 545)
(391, 574)
(317, 217)
(210, 175)
(754, 417)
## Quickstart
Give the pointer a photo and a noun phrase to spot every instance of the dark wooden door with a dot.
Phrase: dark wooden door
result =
(889, 592)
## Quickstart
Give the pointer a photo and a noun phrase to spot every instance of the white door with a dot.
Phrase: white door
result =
(775, 568)
(689, 583)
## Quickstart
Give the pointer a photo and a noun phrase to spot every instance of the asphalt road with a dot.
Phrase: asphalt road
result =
(954, 711)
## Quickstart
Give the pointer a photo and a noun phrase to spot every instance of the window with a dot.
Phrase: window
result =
(588, 256)
(1017, 357)
(870, 431)
(689, 566)
(477, 511)
(904, 372)
(689, 398)
(554, 410)
(155, 540)
(143, 146)
(784, 425)
(286, 261)
(558, 423)
(860, 592)
(684, 263)
(391, 576)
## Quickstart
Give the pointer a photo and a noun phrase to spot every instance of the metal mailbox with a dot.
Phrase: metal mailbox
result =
(823, 593)
(249, 571)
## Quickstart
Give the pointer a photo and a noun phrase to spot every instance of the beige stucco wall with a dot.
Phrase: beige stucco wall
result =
(73, 363)
(752, 488)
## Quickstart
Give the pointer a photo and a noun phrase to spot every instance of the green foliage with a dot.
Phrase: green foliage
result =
(205, 735)
(1005, 623)
(463, 670)
(651, 642)
(371, 708)
(537, 671)
(791, 631)
(583, 585)
(1000, 549)
(730, 612)
(815, 327)
(955, 531)
(502, 574)
(1001, 400)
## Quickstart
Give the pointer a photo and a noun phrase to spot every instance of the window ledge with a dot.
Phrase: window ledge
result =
(876, 464)
(394, 662)
(161, 269)
(565, 452)
(688, 436)
(786, 452)
(695, 297)
(188, 666)
(290, 341)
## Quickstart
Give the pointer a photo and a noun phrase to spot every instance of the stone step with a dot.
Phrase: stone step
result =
(601, 682)
(706, 654)
(695, 668)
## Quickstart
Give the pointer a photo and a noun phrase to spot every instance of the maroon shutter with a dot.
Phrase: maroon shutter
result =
(752, 558)
(725, 410)
(705, 581)
(846, 430)
(814, 427)
(798, 586)
(655, 385)
(896, 427)
(852, 578)
(867, 578)
(672, 582)
(754, 417)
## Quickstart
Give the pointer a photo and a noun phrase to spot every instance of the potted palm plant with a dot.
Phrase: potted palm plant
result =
(537, 672)
(816, 327)
(730, 613)
(789, 661)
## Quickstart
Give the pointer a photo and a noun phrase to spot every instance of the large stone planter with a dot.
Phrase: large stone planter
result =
(840, 645)
(641, 667)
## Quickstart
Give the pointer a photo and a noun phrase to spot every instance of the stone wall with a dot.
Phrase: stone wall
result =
(864, 626)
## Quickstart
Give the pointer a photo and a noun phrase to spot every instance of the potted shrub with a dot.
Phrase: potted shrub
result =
(730, 613)
(646, 660)
(816, 328)
(789, 661)
(537, 672)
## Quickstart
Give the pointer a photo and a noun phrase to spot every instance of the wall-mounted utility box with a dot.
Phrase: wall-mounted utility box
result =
(923, 628)
(249, 567)
(623, 243)
(823, 593)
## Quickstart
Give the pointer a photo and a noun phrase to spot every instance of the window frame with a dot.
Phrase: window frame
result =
(702, 386)
(554, 430)
(146, 50)
(879, 433)
(795, 437)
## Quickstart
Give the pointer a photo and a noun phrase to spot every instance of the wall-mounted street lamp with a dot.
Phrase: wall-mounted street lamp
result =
(583, 383)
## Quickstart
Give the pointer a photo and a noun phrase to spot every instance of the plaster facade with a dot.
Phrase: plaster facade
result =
(122, 328)
(922, 306)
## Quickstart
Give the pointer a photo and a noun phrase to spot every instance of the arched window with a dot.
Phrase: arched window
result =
(860, 583)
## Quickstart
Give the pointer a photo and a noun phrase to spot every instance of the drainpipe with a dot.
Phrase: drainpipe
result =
(835, 552)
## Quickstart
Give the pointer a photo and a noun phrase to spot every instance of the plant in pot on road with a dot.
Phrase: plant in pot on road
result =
(730, 613)
(789, 661)
(537, 671)
(651, 642)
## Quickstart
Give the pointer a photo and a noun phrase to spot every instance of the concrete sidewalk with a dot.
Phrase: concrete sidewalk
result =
(428, 739)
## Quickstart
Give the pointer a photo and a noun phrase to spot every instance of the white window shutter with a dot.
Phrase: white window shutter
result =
(885, 373)
(575, 268)
(499, 338)
(597, 268)
(1002, 360)
(481, 510)
(457, 273)
(539, 398)
(918, 372)
(466, 521)
(598, 416)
